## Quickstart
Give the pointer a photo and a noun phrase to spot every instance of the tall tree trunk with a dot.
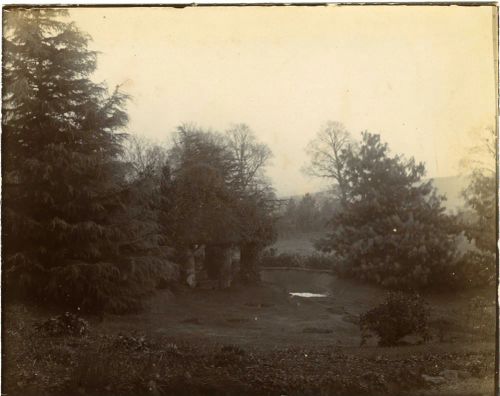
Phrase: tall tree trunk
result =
(218, 262)
(190, 267)
(249, 262)
(226, 270)
(212, 261)
(199, 260)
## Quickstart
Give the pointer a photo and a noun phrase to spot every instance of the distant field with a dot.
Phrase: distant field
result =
(298, 243)
(303, 244)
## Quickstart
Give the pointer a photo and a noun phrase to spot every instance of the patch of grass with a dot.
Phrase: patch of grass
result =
(336, 310)
(195, 321)
(237, 320)
(258, 305)
(132, 364)
(315, 330)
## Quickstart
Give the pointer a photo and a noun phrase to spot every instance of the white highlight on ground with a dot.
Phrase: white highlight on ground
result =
(308, 295)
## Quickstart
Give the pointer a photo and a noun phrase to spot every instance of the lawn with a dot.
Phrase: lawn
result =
(251, 340)
(298, 243)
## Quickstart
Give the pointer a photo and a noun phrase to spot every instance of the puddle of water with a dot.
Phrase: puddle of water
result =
(309, 295)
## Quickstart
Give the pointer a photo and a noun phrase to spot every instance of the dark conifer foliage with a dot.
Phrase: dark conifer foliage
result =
(213, 192)
(197, 203)
(67, 234)
(258, 216)
(393, 229)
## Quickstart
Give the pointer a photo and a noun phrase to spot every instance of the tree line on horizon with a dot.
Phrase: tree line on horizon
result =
(96, 219)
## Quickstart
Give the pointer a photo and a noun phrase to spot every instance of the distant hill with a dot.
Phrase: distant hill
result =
(450, 186)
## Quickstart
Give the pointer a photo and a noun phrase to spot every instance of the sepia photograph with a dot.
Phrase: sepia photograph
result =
(249, 200)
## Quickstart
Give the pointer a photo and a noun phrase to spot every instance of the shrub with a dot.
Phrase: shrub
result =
(481, 316)
(319, 261)
(271, 259)
(475, 268)
(398, 316)
(66, 324)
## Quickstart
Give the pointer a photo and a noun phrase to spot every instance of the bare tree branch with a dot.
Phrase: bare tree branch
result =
(325, 153)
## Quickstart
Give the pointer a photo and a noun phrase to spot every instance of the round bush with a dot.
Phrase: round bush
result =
(398, 316)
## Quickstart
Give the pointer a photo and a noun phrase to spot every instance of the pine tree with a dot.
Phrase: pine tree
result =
(392, 230)
(67, 234)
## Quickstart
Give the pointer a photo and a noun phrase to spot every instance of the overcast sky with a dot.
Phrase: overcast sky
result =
(421, 76)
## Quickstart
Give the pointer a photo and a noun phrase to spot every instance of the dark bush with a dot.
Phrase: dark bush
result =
(319, 261)
(473, 269)
(271, 259)
(398, 316)
(62, 325)
(481, 316)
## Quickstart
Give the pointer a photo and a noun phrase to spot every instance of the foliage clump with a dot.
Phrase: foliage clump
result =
(480, 316)
(308, 214)
(213, 192)
(132, 342)
(478, 267)
(75, 233)
(67, 324)
(392, 228)
(475, 268)
(197, 205)
(398, 316)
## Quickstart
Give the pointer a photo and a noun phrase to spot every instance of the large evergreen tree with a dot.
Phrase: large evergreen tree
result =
(392, 229)
(67, 235)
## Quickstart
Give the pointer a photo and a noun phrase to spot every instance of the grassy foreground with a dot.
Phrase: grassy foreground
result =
(244, 341)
